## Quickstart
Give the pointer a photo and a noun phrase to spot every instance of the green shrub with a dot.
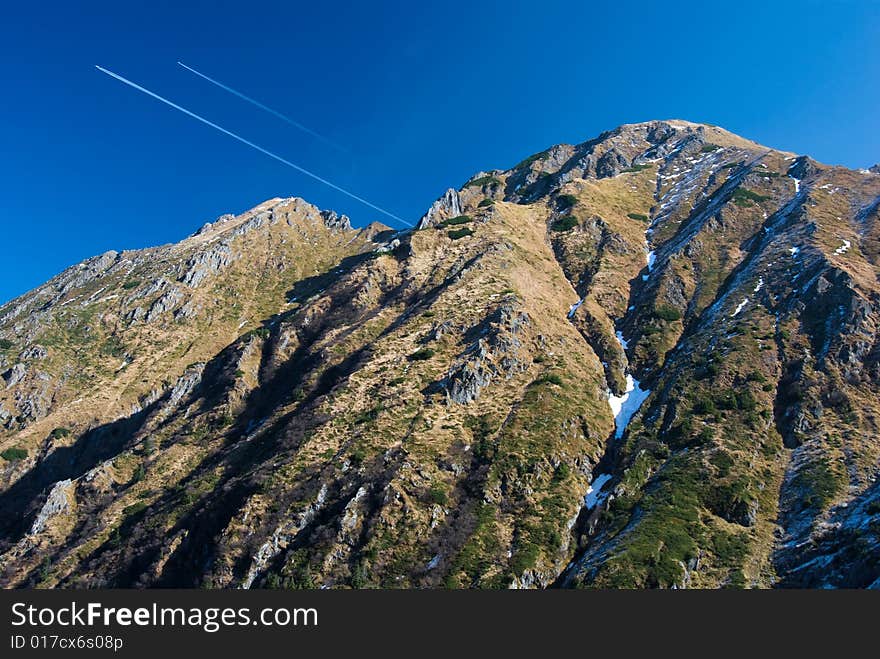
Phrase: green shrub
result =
(723, 462)
(704, 405)
(708, 148)
(454, 221)
(455, 234)
(259, 332)
(820, 485)
(5, 344)
(422, 354)
(58, 433)
(746, 401)
(14, 454)
(566, 200)
(564, 223)
(562, 472)
(134, 508)
(131, 283)
(635, 168)
(486, 202)
(483, 180)
(550, 378)
(368, 415)
(437, 494)
(667, 313)
(743, 196)
(532, 158)
(641, 217)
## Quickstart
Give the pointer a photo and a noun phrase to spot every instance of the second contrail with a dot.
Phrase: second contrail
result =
(266, 108)
(252, 145)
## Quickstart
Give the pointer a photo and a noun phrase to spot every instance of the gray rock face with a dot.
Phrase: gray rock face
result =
(802, 168)
(14, 375)
(494, 354)
(610, 164)
(168, 301)
(335, 221)
(34, 404)
(34, 352)
(203, 264)
(466, 381)
(185, 385)
(283, 536)
(449, 205)
(56, 504)
(207, 226)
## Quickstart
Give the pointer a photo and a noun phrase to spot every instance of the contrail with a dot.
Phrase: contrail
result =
(252, 145)
(281, 116)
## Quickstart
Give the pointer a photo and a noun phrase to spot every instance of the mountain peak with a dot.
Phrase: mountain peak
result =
(645, 360)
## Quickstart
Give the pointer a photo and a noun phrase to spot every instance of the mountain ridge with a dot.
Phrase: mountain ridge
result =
(647, 360)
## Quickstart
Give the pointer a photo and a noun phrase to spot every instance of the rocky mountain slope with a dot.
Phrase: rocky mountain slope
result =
(647, 360)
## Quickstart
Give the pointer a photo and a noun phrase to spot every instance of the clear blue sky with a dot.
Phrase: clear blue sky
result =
(423, 94)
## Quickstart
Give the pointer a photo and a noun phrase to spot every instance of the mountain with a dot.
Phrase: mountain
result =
(647, 360)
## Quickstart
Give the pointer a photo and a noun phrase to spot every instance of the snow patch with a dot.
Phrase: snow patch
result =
(594, 491)
(624, 407)
(843, 248)
(573, 308)
(740, 307)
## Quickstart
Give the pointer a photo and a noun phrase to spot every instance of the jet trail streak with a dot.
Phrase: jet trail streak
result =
(266, 108)
(252, 145)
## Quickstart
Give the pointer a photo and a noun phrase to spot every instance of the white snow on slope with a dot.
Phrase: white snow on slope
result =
(740, 307)
(573, 308)
(842, 249)
(759, 285)
(797, 184)
(594, 492)
(794, 251)
(624, 407)
(651, 258)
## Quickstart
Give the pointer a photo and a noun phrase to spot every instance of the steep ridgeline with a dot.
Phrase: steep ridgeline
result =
(648, 360)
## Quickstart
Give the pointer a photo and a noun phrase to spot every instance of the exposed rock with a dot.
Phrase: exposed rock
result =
(447, 206)
(57, 503)
(203, 264)
(14, 375)
(332, 220)
(168, 301)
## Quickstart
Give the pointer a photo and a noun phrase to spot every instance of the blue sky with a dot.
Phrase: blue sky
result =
(422, 94)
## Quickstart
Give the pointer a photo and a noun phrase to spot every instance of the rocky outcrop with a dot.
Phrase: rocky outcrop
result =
(447, 206)
(57, 503)
(206, 263)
